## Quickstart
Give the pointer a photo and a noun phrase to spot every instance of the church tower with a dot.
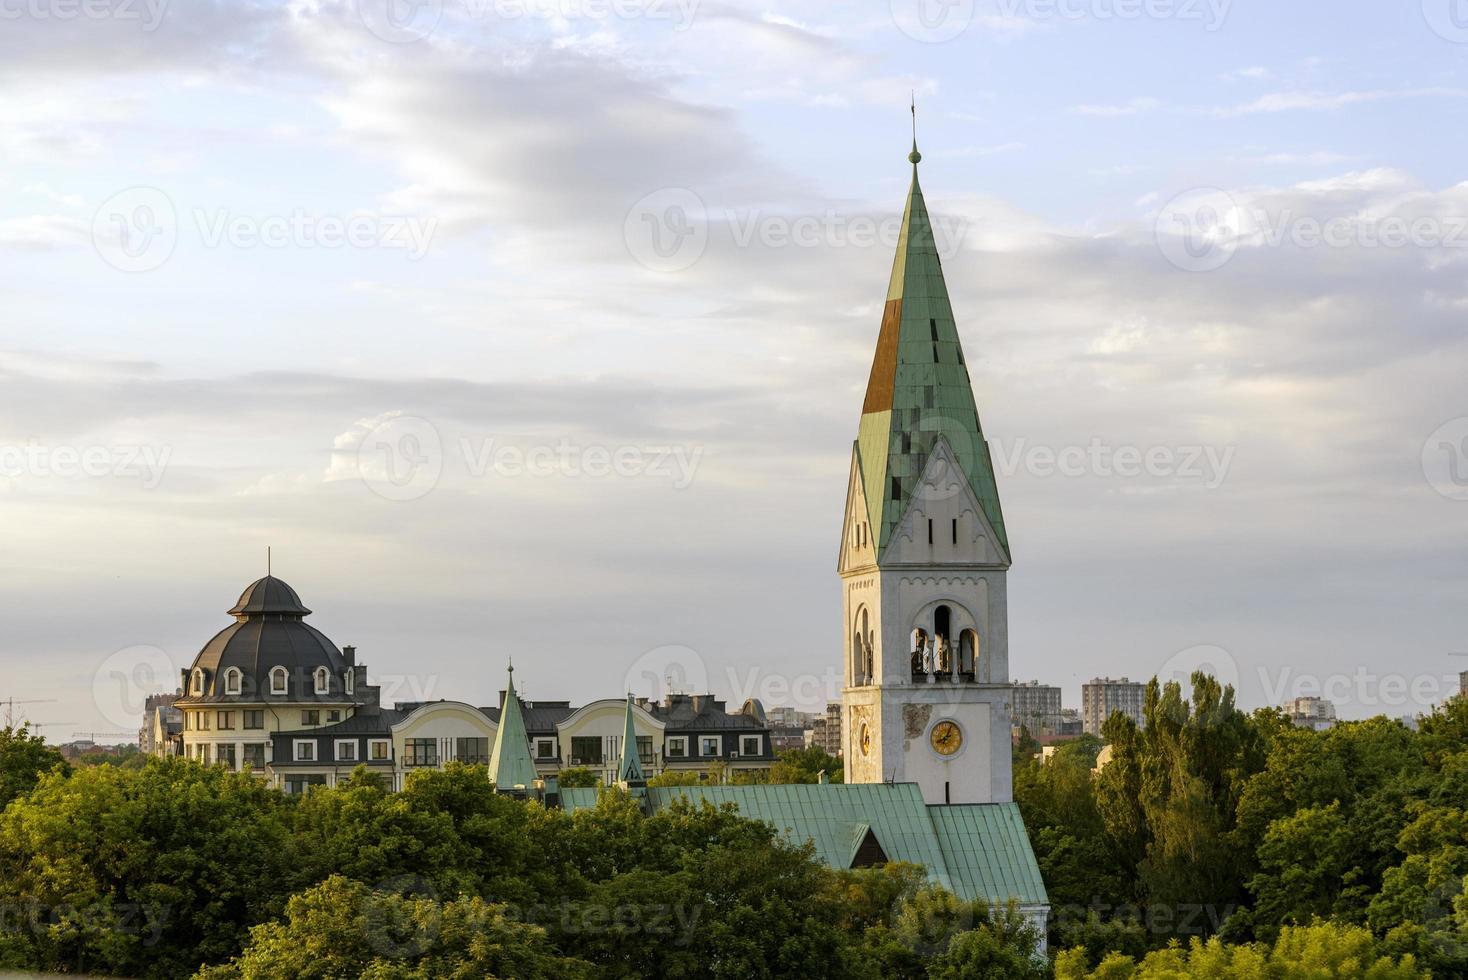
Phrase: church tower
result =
(924, 555)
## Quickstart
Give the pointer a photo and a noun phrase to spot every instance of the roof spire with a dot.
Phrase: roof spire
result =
(267, 561)
(629, 771)
(919, 390)
(510, 767)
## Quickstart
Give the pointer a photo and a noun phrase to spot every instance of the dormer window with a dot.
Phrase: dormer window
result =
(323, 680)
(278, 681)
(347, 680)
(196, 683)
(232, 678)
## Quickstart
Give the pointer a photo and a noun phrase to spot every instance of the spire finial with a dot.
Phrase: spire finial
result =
(267, 561)
(914, 156)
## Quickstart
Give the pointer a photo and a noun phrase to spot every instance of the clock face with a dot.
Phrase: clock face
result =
(946, 737)
(866, 740)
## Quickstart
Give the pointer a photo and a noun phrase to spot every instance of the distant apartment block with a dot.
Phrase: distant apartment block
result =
(1103, 695)
(1037, 707)
(1314, 713)
(825, 730)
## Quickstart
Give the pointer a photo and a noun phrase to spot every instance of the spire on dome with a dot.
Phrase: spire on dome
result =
(629, 770)
(919, 387)
(510, 767)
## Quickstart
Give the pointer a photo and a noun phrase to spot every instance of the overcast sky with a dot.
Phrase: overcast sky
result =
(539, 328)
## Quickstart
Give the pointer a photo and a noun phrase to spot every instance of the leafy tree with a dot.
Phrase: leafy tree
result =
(144, 872)
(805, 766)
(24, 758)
(1321, 950)
(341, 928)
(676, 777)
(578, 777)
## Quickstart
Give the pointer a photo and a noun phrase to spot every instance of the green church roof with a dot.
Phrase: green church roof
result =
(975, 850)
(919, 388)
(510, 767)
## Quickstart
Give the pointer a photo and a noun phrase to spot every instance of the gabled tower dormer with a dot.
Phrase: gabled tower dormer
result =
(924, 554)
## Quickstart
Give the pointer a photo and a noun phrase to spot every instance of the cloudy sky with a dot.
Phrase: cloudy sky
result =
(539, 328)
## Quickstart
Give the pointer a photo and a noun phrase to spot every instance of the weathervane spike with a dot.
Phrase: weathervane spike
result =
(267, 561)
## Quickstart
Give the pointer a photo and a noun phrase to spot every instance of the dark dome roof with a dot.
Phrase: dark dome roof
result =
(269, 632)
(269, 595)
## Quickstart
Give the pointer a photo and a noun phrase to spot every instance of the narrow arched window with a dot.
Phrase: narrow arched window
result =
(278, 681)
(347, 680)
(196, 684)
(232, 681)
(323, 680)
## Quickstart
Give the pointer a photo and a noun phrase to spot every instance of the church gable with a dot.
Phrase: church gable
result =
(857, 547)
(944, 521)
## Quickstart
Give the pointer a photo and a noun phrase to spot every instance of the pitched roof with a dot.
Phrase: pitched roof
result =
(919, 389)
(510, 767)
(975, 851)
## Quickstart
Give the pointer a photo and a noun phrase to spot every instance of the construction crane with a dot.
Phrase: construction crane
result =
(41, 726)
(93, 736)
(10, 704)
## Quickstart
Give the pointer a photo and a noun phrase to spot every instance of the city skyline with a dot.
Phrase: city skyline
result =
(678, 274)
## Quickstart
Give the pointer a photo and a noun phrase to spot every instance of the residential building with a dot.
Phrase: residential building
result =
(825, 730)
(161, 721)
(1103, 695)
(1317, 714)
(1036, 706)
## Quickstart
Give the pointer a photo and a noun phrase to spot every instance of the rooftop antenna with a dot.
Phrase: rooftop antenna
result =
(267, 547)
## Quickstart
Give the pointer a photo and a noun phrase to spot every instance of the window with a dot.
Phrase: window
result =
(254, 719)
(305, 750)
(311, 717)
(710, 745)
(378, 750)
(323, 680)
(930, 530)
(254, 755)
(226, 721)
(677, 747)
(749, 745)
(204, 753)
(278, 681)
(586, 751)
(346, 750)
(545, 748)
(472, 751)
(232, 681)
(644, 749)
(226, 754)
(348, 680)
(299, 784)
(196, 683)
(201, 721)
(420, 752)
(334, 715)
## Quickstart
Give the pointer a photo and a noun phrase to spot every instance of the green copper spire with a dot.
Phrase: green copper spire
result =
(629, 771)
(919, 388)
(510, 768)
